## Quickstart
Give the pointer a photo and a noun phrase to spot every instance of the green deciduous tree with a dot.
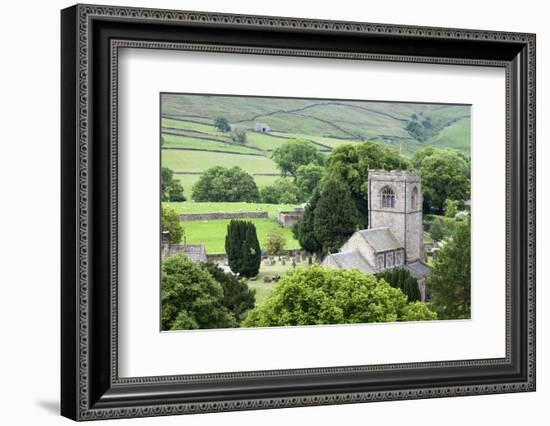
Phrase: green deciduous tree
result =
(318, 295)
(191, 298)
(242, 248)
(451, 208)
(220, 184)
(238, 298)
(275, 242)
(449, 280)
(222, 124)
(238, 135)
(304, 230)
(445, 175)
(283, 191)
(336, 216)
(296, 153)
(307, 179)
(170, 188)
(170, 222)
(403, 280)
(351, 163)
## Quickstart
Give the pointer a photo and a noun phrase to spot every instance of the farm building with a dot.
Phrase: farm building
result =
(394, 236)
(262, 127)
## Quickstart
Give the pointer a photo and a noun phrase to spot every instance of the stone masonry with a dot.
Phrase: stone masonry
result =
(403, 215)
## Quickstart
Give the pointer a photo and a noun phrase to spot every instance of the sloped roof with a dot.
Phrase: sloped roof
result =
(380, 239)
(352, 260)
(417, 269)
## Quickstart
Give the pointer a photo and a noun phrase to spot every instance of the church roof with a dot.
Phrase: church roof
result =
(380, 239)
(417, 269)
(352, 259)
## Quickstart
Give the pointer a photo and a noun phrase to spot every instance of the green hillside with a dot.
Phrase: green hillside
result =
(191, 142)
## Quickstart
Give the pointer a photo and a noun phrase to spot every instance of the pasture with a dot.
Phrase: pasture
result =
(212, 233)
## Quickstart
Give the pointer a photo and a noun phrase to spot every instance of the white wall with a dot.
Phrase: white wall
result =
(29, 185)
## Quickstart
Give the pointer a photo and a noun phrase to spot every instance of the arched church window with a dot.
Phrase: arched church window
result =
(414, 198)
(388, 197)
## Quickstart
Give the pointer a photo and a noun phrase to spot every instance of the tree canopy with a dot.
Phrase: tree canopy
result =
(308, 177)
(283, 191)
(351, 163)
(336, 216)
(450, 281)
(220, 184)
(238, 298)
(296, 153)
(170, 188)
(222, 124)
(242, 248)
(170, 222)
(191, 298)
(315, 295)
(304, 230)
(445, 175)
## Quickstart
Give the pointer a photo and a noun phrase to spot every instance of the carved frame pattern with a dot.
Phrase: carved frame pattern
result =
(85, 409)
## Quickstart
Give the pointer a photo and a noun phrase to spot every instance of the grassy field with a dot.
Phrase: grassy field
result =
(176, 141)
(456, 136)
(198, 161)
(189, 207)
(212, 233)
(332, 119)
(264, 289)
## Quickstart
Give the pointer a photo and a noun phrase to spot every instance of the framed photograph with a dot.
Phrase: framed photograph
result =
(263, 212)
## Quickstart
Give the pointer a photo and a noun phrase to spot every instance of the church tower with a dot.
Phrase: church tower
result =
(395, 201)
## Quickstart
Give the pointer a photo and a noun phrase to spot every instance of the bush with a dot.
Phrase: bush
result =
(191, 298)
(275, 242)
(436, 230)
(403, 280)
(220, 184)
(170, 222)
(318, 295)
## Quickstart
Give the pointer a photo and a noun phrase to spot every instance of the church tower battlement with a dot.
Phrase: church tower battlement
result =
(395, 201)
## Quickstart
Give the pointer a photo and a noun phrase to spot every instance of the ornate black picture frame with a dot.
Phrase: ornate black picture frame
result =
(91, 36)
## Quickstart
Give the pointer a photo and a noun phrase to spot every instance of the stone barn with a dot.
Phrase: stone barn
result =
(262, 127)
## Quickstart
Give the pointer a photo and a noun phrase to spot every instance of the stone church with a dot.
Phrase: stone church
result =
(394, 236)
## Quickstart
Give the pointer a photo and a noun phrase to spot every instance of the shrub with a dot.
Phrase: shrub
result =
(403, 280)
(318, 295)
(170, 222)
(275, 242)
